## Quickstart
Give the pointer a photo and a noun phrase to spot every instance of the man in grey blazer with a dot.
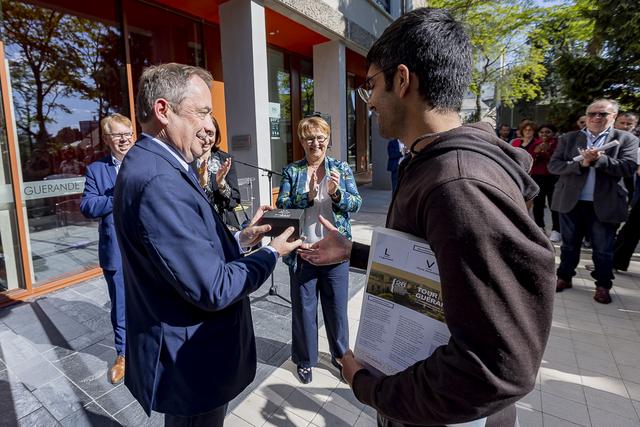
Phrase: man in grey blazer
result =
(590, 194)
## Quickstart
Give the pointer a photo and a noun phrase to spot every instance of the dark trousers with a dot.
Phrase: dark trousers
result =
(214, 418)
(331, 283)
(627, 239)
(546, 184)
(394, 180)
(573, 227)
(115, 284)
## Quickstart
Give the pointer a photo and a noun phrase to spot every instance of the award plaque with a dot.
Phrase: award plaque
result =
(281, 219)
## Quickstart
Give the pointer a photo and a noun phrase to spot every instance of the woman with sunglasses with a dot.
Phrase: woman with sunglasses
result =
(323, 186)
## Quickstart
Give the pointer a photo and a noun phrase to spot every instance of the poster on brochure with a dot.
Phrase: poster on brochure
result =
(402, 317)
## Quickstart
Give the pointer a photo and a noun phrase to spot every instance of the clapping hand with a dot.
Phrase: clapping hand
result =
(313, 186)
(589, 156)
(334, 182)
(222, 173)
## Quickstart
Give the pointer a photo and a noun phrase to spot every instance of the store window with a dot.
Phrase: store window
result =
(157, 36)
(306, 88)
(279, 82)
(351, 121)
(66, 72)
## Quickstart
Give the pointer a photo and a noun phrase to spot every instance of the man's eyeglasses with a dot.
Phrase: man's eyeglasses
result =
(364, 90)
(320, 138)
(124, 135)
(602, 114)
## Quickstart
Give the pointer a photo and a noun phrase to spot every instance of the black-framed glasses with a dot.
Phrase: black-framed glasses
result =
(123, 135)
(602, 114)
(320, 138)
(364, 90)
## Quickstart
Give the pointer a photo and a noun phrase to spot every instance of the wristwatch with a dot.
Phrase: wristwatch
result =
(336, 196)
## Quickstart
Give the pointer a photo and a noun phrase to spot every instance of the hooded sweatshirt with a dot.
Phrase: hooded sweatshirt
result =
(465, 194)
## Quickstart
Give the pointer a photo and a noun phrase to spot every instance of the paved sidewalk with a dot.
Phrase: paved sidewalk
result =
(55, 350)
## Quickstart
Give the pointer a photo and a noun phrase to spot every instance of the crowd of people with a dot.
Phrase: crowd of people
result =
(172, 246)
(590, 198)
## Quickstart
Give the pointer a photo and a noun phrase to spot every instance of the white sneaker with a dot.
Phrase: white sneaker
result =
(555, 236)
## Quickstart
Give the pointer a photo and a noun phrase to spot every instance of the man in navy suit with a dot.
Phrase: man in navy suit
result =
(97, 202)
(190, 347)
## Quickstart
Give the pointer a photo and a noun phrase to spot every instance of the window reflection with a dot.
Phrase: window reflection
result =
(279, 111)
(66, 72)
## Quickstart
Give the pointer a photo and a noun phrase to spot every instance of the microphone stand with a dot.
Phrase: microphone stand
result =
(273, 290)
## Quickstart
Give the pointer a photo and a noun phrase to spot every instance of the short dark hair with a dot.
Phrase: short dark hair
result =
(435, 47)
(549, 126)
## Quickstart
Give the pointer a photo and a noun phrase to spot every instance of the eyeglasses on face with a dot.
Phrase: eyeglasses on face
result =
(602, 114)
(123, 135)
(364, 90)
(320, 138)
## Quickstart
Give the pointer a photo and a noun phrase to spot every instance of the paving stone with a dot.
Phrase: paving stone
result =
(134, 415)
(116, 400)
(62, 398)
(38, 418)
(268, 348)
(57, 353)
(15, 400)
(88, 372)
(36, 372)
(90, 415)
(15, 350)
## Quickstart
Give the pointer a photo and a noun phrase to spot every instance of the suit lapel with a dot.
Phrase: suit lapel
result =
(111, 171)
(581, 141)
(152, 146)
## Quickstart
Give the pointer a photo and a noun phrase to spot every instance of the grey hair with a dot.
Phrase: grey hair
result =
(614, 104)
(169, 81)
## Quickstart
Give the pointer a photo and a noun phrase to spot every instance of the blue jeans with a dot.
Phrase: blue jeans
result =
(331, 283)
(574, 225)
(115, 284)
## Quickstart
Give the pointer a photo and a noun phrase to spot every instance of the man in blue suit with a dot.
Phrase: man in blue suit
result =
(97, 202)
(190, 346)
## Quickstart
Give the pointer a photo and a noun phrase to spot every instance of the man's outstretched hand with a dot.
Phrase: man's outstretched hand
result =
(334, 248)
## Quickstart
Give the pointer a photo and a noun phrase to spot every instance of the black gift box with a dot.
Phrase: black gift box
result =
(281, 219)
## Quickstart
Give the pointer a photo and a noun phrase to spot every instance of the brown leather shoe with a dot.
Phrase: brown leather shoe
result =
(562, 284)
(116, 372)
(602, 296)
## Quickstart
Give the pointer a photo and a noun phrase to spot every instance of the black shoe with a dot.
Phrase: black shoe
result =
(304, 375)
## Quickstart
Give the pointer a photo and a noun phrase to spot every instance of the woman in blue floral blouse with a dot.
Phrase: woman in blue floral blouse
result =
(323, 186)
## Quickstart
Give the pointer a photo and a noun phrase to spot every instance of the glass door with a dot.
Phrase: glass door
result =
(11, 277)
(66, 72)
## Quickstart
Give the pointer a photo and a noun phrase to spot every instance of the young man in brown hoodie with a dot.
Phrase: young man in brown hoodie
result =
(464, 191)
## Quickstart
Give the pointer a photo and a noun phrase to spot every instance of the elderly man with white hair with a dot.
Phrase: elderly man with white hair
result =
(590, 194)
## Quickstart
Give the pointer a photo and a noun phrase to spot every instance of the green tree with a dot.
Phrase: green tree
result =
(44, 65)
(506, 59)
(594, 51)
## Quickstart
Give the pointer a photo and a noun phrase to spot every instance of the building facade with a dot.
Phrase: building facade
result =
(65, 64)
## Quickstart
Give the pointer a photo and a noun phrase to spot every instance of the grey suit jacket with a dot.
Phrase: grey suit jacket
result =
(610, 194)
